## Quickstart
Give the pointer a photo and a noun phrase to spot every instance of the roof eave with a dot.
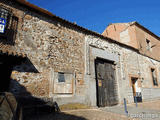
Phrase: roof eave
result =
(139, 25)
(49, 14)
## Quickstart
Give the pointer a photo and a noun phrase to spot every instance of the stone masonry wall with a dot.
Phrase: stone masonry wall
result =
(130, 64)
(53, 47)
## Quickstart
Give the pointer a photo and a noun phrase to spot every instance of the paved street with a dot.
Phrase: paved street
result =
(85, 114)
(135, 112)
(144, 111)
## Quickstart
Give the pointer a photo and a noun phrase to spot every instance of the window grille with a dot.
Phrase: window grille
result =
(8, 35)
(5, 14)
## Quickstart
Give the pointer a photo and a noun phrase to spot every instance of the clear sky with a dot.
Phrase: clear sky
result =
(95, 15)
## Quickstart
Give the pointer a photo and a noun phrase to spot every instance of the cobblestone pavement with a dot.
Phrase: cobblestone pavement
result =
(154, 105)
(144, 111)
(135, 112)
(85, 114)
(97, 114)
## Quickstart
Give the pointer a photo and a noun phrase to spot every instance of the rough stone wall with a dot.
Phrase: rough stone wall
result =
(130, 64)
(53, 47)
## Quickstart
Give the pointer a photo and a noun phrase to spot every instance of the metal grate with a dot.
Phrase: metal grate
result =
(5, 14)
(9, 30)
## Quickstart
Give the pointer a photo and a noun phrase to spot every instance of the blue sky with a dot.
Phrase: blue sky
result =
(95, 15)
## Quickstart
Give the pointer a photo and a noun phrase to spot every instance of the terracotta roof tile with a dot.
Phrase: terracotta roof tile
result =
(11, 50)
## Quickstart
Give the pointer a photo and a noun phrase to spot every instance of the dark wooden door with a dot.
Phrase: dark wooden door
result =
(106, 83)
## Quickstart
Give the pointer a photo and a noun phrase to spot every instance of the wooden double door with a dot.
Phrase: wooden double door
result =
(106, 83)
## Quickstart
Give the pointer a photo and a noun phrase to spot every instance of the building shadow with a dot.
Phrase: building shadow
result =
(25, 66)
(34, 108)
(58, 116)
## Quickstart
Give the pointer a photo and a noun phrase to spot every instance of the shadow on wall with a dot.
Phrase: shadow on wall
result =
(40, 108)
(26, 66)
(35, 108)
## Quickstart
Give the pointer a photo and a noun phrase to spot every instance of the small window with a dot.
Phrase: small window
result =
(61, 77)
(4, 19)
(148, 47)
(154, 77)
(4, 13)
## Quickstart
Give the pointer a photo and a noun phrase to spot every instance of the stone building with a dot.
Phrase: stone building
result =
(148, 44)
(45, 56)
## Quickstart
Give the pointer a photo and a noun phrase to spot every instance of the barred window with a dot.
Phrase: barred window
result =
(8, 26)
(3, 13)
(5, 17)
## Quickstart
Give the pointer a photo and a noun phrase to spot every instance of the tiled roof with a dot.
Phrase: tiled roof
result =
(52, 16)
(10, 50)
